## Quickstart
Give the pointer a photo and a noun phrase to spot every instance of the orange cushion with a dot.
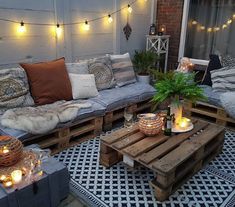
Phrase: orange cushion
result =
(49, 81)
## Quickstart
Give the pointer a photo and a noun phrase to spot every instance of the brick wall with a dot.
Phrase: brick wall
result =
(169, 13)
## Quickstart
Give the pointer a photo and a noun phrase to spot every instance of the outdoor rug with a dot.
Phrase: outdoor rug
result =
(118, 186)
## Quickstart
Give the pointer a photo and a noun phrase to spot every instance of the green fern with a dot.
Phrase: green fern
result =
(174, 85)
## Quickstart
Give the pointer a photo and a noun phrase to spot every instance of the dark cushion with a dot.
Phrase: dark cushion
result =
(213, 65)
(49, 81)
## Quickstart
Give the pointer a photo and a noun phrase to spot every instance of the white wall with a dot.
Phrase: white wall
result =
(39, 42)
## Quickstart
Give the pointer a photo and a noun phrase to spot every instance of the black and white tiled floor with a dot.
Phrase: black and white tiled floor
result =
(117, 186)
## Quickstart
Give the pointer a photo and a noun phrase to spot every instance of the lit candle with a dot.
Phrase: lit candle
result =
(5, 150)
(3, 178)
(16, 176)
(184, 122)
(8, 182)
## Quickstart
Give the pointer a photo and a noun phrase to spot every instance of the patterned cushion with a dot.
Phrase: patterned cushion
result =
(77, 68)
(228, 61)
(14, 89)
(223, 79)
(101, 68)
(123, 69)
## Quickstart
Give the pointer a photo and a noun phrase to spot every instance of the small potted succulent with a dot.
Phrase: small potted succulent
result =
(144, 62)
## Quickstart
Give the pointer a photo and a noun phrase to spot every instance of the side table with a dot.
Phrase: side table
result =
(52, 187)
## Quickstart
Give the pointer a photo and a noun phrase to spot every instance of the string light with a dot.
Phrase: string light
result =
(216, 29)
(233, 16)
(110, 19)
(202, 27)
(229, 21)
(224, 26)
(86, 26)
(58, 30)
(209, 29)
(129, 9)
(194, 22)
(21, 28)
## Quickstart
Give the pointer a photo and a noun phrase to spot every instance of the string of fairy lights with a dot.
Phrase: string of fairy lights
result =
(217, 28)
(58, 26)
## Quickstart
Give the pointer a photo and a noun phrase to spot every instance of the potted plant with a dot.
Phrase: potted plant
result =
(144, 62)
(175, 86)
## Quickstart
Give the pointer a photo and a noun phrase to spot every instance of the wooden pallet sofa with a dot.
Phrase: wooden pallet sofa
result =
(211, 110)
(106, 109)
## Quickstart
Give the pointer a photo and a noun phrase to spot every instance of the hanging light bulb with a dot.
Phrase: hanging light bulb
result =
(194, 22)
(86, 26)
(21, 28)
(58, 30)
(233, 16)
(209, 29)
(129, 9)
(110, 19)
(202, 27)
(229, 21)
(216, 29)
(224, 26)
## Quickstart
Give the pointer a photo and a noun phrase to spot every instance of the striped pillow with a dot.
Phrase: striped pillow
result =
(122, 69)
(223, 79)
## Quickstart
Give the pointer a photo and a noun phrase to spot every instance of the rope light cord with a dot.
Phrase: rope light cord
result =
(67, 24)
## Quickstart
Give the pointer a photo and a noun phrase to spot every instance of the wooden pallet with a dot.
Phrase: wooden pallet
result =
(210, 113)
(114, 116)
(63, 138)
(173, 159)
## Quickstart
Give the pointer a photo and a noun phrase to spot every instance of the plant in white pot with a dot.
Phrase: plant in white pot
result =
(144, 62)
(175, 87)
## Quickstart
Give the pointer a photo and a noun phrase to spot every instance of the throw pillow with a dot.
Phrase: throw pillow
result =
(14, 89)
(123, 69)
(83, 85)
(228, 103)
(227, 61)
(77, 68)
(223, 79)
(101, 68)
(49, 81)
(213, 65)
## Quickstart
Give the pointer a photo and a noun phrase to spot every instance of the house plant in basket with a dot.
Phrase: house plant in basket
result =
(176, 87)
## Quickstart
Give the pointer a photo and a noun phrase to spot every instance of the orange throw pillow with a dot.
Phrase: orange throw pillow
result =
(49, 81)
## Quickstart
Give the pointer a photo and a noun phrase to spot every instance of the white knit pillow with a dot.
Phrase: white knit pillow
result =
(83, 86)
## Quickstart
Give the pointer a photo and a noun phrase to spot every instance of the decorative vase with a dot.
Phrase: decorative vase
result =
(143, 78)
(177, 110)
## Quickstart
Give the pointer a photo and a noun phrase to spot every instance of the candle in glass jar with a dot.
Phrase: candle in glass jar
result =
(16, 176)
(184, 122)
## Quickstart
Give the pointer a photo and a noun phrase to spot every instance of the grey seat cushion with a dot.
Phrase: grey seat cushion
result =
(96, 110)
(212, 96)
(228, 102)
(120, 97)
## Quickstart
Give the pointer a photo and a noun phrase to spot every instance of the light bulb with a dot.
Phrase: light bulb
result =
(202, 27)
(216, 29)
(86, 26)
(58, 30)
(209, 29)
(129, 9)
(229, 21)
(233, 16)
(194, 22)
(224, 26)
(110, 19)
(21, 28)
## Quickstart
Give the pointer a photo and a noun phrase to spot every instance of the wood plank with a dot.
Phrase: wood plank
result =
(170, 144)
(81, 130)
(144, 145)
(173, 159)
(119, 134)
(128, 140)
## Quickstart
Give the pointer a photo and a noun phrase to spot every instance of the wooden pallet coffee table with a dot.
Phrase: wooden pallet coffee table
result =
(174, 159)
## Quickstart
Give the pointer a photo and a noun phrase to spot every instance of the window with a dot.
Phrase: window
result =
(210, 28)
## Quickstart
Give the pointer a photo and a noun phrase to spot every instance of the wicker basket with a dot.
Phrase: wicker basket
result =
(150, 124)
(11, 150)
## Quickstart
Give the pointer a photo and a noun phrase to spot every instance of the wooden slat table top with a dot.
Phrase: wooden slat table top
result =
(161, 153)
